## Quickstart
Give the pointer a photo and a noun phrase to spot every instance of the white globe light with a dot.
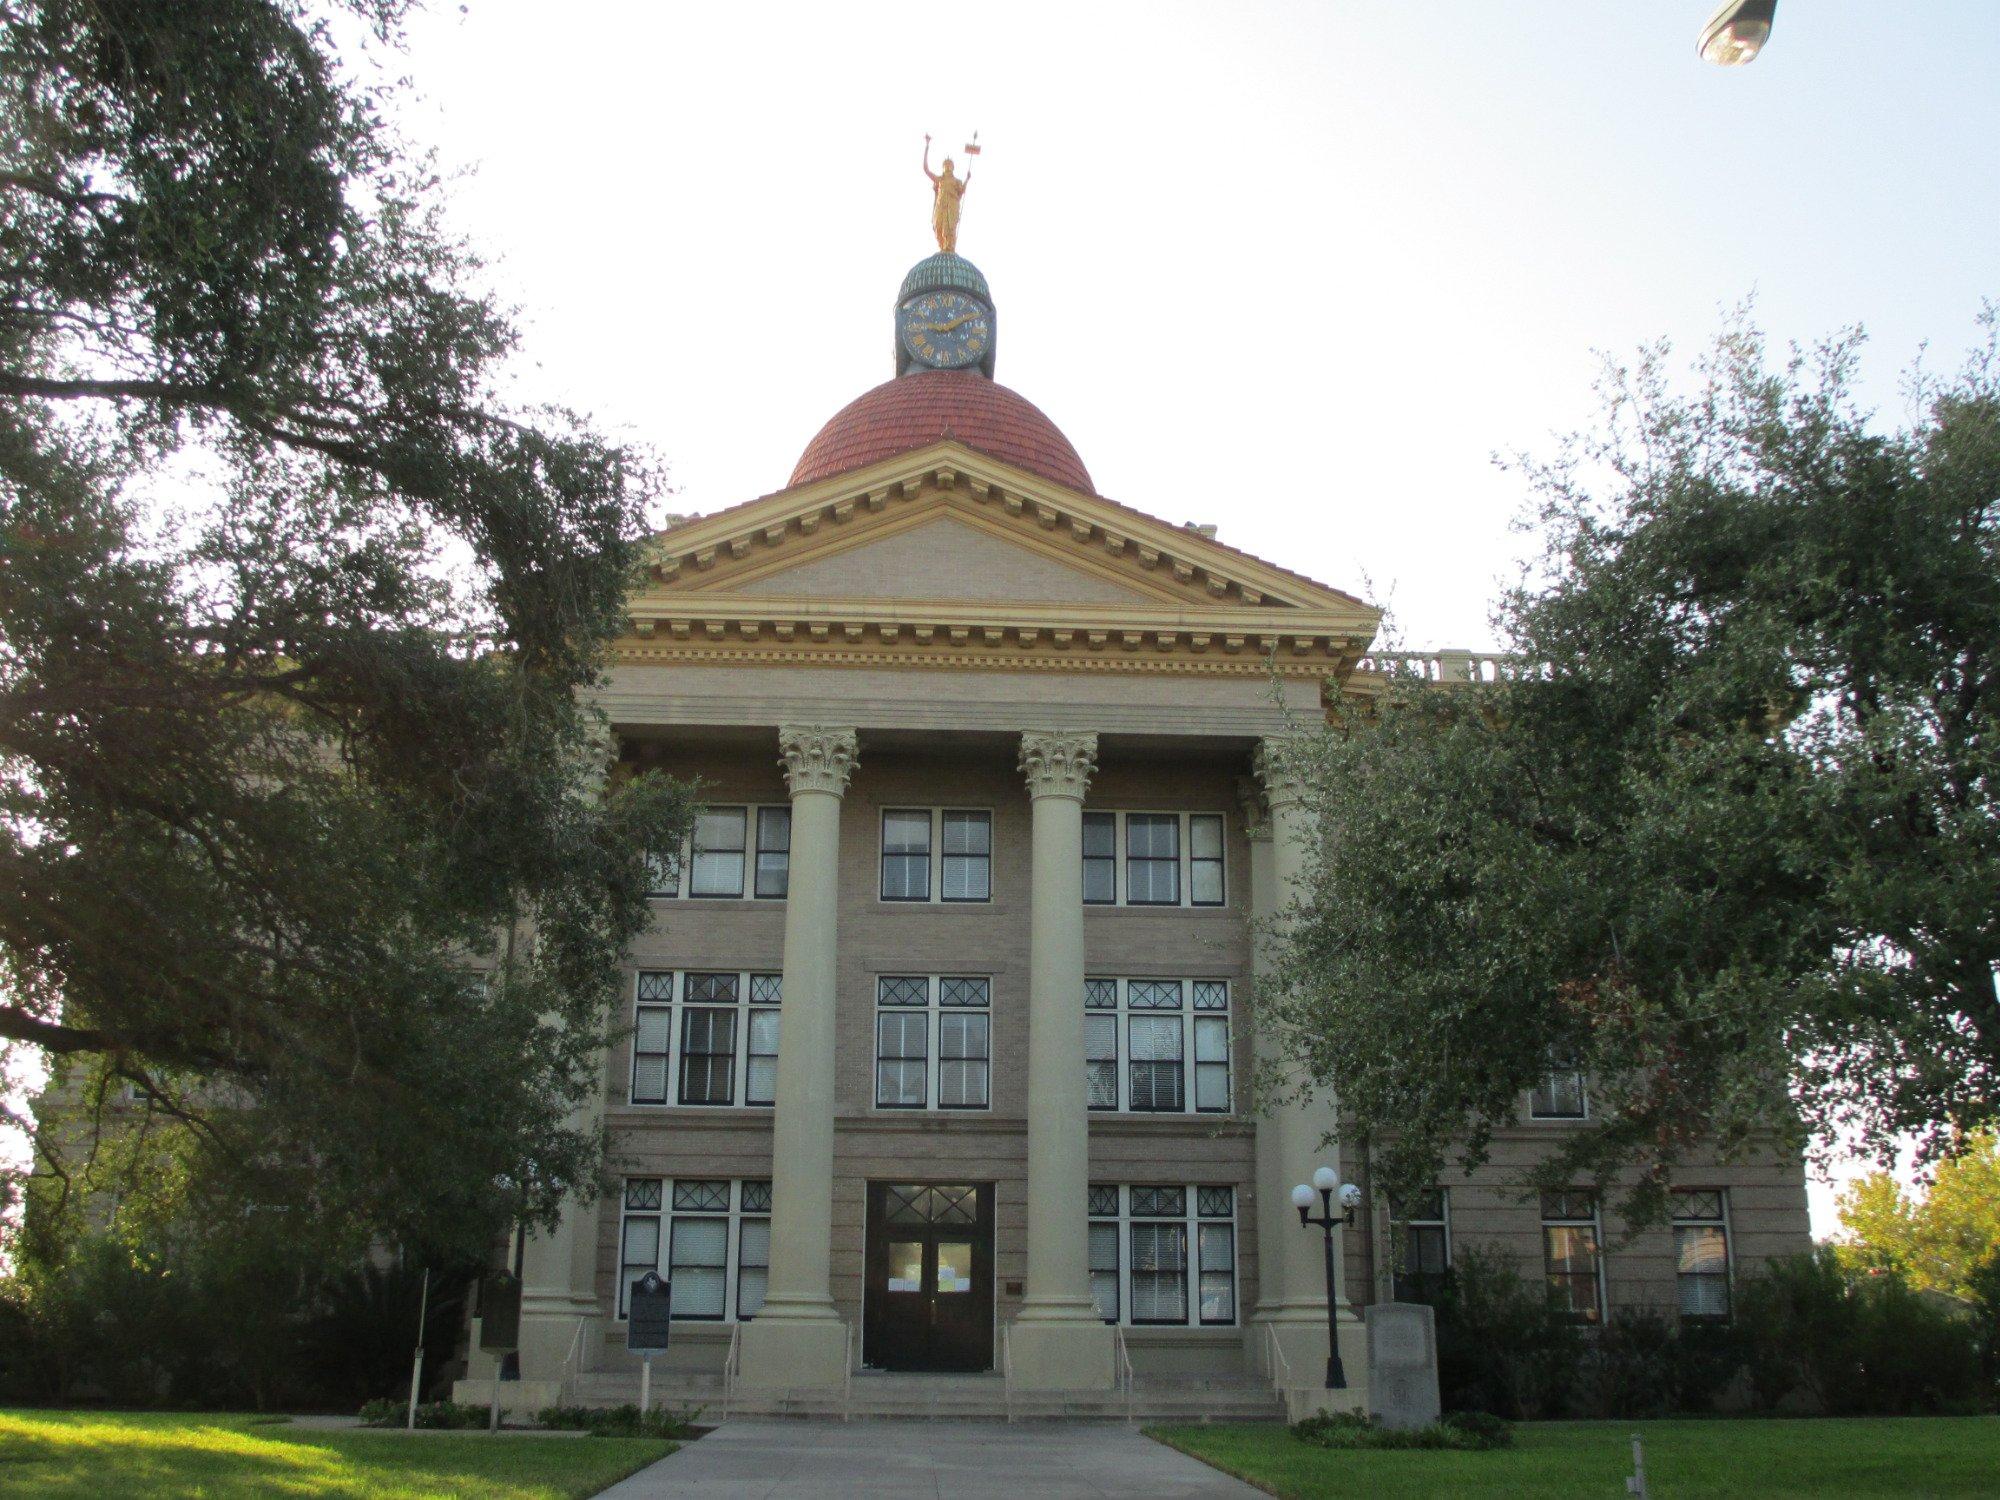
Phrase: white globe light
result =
(1302, 1196)
(1350, 1196)
(1326, 1179)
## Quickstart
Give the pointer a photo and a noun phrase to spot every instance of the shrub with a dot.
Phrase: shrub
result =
(1847, 1344)
(388, 1411)
(1467, 1432)
(1501, 1348)
(619, 1421)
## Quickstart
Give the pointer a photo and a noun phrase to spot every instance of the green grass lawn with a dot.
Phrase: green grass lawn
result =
(1832, 1456)
(222, 1457)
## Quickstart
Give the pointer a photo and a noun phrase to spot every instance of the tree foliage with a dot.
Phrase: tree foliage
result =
(1945, 1239)
(298, 612)
(1726, 838)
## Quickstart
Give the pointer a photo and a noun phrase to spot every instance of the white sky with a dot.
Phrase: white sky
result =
(1299, 269)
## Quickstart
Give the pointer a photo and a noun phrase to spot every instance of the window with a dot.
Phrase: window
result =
(1139, 1036)
(1163, 1254)
(1559, 1096)
(1169, 859)
(693, 1232)
(774, 852)
(1420, 1230)
(1570, 1252)
(711, 865)
(964, 839)
(1701, 1252)
(912, 1011)
(714, 1035)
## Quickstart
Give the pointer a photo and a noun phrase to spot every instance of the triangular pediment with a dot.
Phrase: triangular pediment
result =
(933, 553)
(950, 546)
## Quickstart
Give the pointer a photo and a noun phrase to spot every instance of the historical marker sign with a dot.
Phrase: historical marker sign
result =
(651, 1316)
(499, 1312)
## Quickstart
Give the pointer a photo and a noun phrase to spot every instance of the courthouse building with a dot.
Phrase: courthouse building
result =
(944, 1040)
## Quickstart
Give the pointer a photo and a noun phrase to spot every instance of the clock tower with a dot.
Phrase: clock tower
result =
(944, 317)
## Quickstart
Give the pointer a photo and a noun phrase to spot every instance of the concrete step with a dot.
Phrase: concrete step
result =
(950, 1397)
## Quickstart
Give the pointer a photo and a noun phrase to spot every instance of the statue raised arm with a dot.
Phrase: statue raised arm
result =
(946, 189)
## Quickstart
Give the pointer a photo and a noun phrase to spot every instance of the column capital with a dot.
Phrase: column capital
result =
(1276, 763)
(1058, 762)
(816, 757)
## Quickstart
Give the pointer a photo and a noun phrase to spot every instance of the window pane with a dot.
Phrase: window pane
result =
(901, 1058)
(968, 848)
(753, 1261)
(718, 852)
(1152, 836)
(962, 1060)
(1104, 1270)
(1560, 1097)
(903, 989)
(1205, 859)
(774, 846)
(1159, 1202)
(906, 863)
(663, 874)
(708, 1055)
(1211, 1056)
(1100, 994)
(1154, 1049)
(1218, 1273)
(642, 1243)
(1100, 1049)
(954, 1267)
(968, 833)
(1159, 1273)
(963, 992)
(1698, 1204)
(760, 1085)
(1153, 994)
(1701, 1250)
(701, 1254)
(1100, 858)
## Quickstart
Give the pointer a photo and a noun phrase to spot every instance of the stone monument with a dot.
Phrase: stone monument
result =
(1402, 1364)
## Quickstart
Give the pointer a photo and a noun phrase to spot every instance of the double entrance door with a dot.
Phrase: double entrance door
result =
(929, 1297)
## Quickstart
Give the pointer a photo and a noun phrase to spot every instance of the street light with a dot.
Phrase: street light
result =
(1323, 1181)
(1736, 33)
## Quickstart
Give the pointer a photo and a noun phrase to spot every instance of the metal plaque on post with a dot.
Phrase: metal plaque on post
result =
(652, 1311)
(499, 1312)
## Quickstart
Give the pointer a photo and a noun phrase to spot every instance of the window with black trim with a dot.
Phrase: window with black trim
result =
(1157, 1046)
(933, 1041)
(703, 1038)
(696, 1232)
(1153, 859)
(1420, 1230)
(962, 839)
(1572, 1254)
(1701, 1253)
(1163, 1255)
(720, 855)
(1559, 1096)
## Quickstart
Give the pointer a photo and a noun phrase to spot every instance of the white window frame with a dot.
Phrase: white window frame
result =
(1192, 1064)
(933, 1010)
(736, 1216)
(1120, 880)
(757, 991)
(1595, 1224)
(1191, 1220)
(934, 857)
(1548, 1086)
(671, 878)
(1398, 1223)
(1722, 1222)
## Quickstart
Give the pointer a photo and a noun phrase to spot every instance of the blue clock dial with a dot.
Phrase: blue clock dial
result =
(947, 330)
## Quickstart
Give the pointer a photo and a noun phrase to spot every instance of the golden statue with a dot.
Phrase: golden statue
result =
(946, 190)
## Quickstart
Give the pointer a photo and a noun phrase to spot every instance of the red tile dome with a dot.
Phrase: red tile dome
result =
(915, 410)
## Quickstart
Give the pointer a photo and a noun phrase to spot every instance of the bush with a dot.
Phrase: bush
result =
(1501, 1348)
(439, 1416)
(1469, 1432)
(619, 1421)
(1848, 1344)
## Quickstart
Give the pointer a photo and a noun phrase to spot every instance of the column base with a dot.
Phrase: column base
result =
(786, 1353)
(1062, 1348)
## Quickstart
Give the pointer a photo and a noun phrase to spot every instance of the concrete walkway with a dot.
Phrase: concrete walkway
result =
(935, 1460)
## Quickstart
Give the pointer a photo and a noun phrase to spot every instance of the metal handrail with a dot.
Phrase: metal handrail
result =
(1280, 1366)
(1007, 1367)
(563, 1387)
(1124, 1370)
(729, 1364)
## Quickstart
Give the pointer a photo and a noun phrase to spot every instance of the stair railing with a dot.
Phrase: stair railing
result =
(1124, 1371)
(729, 1365)
(1281, 1368)
(572, 1365)
(1007, 1367)
(847, 1379)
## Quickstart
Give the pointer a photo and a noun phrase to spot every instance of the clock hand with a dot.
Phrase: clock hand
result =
(947, 327)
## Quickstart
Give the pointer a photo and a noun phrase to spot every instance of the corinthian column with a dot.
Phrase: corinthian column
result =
(797, 1339)
(1058, 1342)
(1299, 1130)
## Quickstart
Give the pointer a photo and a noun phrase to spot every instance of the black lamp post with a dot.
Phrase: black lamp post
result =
(1350, 1199)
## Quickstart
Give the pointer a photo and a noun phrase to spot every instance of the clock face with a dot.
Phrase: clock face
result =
(947, 330)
